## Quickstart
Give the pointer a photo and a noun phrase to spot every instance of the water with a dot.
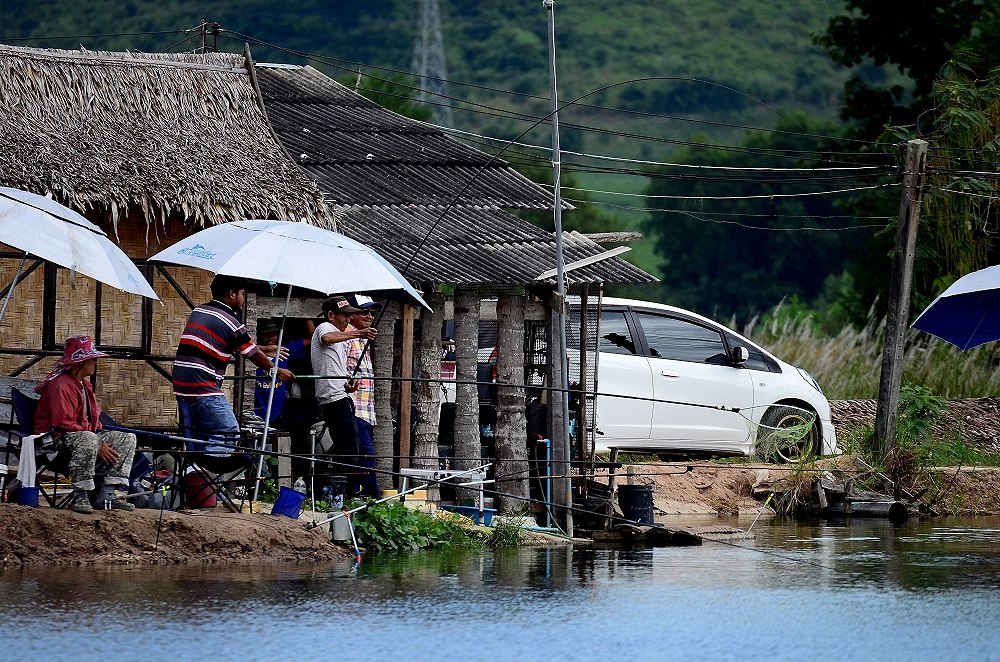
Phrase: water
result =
(923, 591)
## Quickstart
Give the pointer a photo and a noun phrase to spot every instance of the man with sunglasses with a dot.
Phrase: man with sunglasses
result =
(364, 396)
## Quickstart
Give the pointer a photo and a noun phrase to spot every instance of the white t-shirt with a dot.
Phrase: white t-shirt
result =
(328, 360)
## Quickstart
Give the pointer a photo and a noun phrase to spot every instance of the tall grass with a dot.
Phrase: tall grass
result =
(847, 365)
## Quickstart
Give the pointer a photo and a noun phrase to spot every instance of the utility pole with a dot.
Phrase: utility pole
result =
(428, 63)
(562, 451)
(898, 313)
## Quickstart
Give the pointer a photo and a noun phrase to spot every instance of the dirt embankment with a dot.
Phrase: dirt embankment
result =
(47, 536)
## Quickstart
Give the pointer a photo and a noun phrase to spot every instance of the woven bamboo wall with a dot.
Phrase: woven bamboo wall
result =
(129, 390)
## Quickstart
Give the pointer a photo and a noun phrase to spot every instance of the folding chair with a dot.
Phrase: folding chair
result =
(214, 472)
(50, 454)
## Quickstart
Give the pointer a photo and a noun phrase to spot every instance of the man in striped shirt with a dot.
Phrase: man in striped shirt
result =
(211, 337)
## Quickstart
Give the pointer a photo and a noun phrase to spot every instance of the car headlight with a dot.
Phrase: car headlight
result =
(809, 378)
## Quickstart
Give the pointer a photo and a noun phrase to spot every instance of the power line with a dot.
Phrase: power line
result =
(731, 197)
(720, 213)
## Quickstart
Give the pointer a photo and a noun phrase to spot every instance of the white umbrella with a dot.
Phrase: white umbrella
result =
(296, 254)
(291, 253)
(42, 227)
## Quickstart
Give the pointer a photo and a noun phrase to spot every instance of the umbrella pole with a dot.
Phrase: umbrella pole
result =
(13, 284)
(270, 394)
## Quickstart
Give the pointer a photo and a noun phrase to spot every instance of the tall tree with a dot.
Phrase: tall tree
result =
(745, 253)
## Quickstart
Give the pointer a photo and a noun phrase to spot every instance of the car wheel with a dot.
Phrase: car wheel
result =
(782, 437)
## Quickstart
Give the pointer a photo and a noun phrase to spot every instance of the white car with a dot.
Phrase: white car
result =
(692, 385)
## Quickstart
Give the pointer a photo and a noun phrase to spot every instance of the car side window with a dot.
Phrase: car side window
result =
(681, 340)
(615, 336)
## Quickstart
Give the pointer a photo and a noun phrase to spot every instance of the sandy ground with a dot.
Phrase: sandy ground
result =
(31, 536)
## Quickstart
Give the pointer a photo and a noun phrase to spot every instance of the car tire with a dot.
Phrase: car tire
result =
(782, 417)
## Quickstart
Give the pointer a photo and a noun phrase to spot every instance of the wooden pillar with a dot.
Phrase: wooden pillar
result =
(405, 391)
(428, 393)
(467, 449)
(384, 366)
(511, 428)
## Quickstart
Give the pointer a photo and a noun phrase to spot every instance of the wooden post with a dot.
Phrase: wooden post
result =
(383, 364)
(406, 390)
(897, 315)
(511, 430)
(428, 398)
(467, 448)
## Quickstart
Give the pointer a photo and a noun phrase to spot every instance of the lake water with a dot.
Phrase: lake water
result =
(927, 590)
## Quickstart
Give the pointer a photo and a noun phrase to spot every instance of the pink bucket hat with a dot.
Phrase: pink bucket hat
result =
(79, 349)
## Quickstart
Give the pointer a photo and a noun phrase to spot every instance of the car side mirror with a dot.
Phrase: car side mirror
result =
(739, 355)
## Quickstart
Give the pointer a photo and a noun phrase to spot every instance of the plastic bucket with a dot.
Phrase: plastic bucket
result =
(198, 493)
(26, 496)
(288, 503)
(636, 502)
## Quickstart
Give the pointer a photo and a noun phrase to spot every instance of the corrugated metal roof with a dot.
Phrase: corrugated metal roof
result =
(361, 153)
(477, 246)
(394, 177)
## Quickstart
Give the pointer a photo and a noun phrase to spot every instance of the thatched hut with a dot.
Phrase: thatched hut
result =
(150, 148)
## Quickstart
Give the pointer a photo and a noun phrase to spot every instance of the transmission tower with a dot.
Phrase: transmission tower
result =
(428, 63)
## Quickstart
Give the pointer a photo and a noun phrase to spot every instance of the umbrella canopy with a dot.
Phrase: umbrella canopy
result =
(291, 253)
(967, 314)
(44, 228)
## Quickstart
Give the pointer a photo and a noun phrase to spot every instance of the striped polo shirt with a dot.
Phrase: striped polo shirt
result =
(210, 338)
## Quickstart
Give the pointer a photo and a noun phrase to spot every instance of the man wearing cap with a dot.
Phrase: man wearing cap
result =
(359, 363)
(211, 337)
(329, 359)
(69, 407)
(293, 407)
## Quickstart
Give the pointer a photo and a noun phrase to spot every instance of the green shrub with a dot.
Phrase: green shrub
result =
(392, 527)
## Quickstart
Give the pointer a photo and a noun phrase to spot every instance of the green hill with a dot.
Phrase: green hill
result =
(719, 65)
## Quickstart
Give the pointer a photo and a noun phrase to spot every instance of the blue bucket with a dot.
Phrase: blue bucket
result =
(288, 503)
(26, 496)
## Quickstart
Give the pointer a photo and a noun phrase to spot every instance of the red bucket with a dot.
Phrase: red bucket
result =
(198, 492)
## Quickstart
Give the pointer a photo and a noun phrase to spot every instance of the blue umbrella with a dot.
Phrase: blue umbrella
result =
(967, 314)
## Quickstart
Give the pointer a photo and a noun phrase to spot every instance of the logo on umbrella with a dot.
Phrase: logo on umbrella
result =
(198, 251)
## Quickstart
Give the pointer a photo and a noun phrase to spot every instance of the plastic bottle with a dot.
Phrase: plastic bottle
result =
(300, 485)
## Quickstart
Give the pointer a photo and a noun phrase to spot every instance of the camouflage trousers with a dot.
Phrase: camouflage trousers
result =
(83, 463)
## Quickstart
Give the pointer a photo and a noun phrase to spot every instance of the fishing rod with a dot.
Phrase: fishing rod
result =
(550, 389)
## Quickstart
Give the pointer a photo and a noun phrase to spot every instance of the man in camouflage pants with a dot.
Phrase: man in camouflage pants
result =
(69, 407)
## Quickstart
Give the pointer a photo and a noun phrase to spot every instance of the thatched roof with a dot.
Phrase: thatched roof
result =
(166, 134)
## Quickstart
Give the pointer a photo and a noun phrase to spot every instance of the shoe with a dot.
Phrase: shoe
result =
(81, 504)
(121, 504)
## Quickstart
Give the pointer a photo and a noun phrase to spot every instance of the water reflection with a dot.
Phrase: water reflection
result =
(924, 589)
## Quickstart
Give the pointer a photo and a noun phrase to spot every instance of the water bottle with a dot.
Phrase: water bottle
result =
(300, 485)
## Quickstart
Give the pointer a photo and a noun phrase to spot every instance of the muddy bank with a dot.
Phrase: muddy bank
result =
(46, 536)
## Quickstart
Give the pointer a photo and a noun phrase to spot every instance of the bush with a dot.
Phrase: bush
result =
(392, 527)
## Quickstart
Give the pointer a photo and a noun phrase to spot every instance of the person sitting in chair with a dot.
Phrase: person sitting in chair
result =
(69, 407)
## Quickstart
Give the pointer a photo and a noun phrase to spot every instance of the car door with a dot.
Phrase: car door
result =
(622, 371)
(692, 378)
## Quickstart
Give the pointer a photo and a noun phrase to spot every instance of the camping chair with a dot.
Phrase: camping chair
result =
(50, 454)
(217, 474)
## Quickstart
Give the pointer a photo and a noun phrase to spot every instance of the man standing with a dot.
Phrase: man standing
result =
(211, 337)
(359, 363)
(329, 359)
